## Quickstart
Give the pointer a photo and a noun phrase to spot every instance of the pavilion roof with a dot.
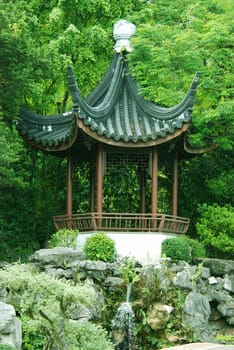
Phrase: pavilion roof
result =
(114, 113)
(118, 113)
(49, 133)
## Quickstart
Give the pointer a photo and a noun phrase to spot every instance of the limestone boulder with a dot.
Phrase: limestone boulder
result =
(197, 313)
(219, 267)
(229, 283)
(56, 257)
(10, 326)
(227, 311)
(183, 279)
(159, 315)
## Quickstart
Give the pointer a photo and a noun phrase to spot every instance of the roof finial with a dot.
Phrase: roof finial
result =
(123, 31)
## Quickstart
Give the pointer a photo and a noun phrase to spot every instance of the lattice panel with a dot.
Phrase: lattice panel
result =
(140, 160)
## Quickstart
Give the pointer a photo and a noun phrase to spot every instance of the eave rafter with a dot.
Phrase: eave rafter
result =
(111, 142)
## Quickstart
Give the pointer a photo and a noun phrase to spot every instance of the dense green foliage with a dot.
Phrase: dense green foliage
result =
(176, 40)
(197, 248)
(64, 238)
(100, 247)
(45, 306)
(6, 347)
(146, 292)
(177, 249)
(39, 39)
(216, 230)
(183, 248)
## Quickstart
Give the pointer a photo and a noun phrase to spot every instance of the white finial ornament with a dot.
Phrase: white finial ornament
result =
(123, 31)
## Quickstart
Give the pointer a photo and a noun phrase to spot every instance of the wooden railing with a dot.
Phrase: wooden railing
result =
(123, 222)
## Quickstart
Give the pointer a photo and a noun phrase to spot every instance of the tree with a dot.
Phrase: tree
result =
(176, 40)
(39, 39)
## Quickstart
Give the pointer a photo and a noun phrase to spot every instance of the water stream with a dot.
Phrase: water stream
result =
(129, 289)
(123, 325)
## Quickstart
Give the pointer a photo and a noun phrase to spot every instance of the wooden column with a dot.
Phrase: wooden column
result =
(154, 193)
(99, 179)
(175, 186)
(69, 191)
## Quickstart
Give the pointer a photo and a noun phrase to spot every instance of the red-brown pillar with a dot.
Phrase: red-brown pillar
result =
(99, 178)
(69, 190)
(154, 193)
(175, 186)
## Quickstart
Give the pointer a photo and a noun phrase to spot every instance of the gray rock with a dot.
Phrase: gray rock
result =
(227, 311)
(219, 267)
(59, 272)
(220, 296)
(205, 272)
(3, 295)
(115, 282)
(10, 326)
(180, 266)
(58, 257)
(81, 313)
(197, 303)
(229, 283)
(96, 275)
(159, 315)
(183, 279)
(96, 265)
(197, 312)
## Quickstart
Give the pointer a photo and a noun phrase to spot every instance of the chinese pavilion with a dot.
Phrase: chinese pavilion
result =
(116, 125)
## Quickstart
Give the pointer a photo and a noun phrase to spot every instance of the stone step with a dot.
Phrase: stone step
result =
(201, 346)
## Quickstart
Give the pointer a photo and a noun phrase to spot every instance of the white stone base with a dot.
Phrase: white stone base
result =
(145, 247)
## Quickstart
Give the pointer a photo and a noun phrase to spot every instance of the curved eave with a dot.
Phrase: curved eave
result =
(117, 83)
(48, 133)
(116, 114)
(191, 149)
(130, 144)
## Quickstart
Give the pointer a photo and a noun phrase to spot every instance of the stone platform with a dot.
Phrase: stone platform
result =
(201, 346)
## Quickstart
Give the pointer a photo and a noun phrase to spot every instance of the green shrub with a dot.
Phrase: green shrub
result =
(197, 248)
(6, 347)
(216, 230)
(100, 247)
(183, 248)
(33, 338)
(177, 248)
(45, 306)
(64, 238)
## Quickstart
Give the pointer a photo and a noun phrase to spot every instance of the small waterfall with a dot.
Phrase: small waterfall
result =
(129, 289)
(123, 326)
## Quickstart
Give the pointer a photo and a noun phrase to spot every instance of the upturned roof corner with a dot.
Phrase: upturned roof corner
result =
(114, 113)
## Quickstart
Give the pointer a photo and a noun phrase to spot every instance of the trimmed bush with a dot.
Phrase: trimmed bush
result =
(197, 248)
(100, 247)
(6, 347)
(183, 248)
(64, 238)
(177, 249)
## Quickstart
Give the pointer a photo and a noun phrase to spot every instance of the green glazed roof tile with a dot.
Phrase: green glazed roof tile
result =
(117, 111)
(114, 110)
(47, 131)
